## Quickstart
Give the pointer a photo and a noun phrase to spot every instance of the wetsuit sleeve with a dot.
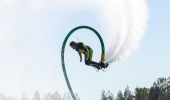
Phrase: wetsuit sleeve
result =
(81, 45)
(80, 56)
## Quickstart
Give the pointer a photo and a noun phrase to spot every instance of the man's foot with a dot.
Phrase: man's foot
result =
(104, 65)
(97, 66)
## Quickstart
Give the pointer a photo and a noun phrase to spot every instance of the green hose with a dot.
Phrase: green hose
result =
(63, 48)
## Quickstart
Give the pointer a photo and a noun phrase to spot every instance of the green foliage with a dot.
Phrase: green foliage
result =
(160, 90)
(128, 94)
(120, 96)
(141, 93)
(107, 95)
(154, 93)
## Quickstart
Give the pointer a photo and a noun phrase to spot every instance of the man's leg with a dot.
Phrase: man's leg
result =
(90, 54)
(92, 63)
(95, 64)
(88, 59)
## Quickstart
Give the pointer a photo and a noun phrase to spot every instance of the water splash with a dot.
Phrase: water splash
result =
(125, 24)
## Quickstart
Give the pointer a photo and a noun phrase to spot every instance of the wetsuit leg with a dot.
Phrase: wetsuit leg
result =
(88, 59)
(92, 63)
(90, 54)
(86, 55)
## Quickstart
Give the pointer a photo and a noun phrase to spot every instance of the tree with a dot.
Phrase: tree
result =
(56, 96)
(110, 95)
(36, 96)
(154, 93)
(107, 96)
(127, 94)
(47, 97)
(120, 96)
(160, 89)
(67, 97)
(141, 93)
(164, 86)
(77, 97)
(24, 97)
(103, 96)
(4, 97)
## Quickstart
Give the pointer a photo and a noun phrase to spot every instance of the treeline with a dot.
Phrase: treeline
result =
(160, 90)
(36, 96)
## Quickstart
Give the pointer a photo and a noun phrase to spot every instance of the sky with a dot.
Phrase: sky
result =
(31, 36)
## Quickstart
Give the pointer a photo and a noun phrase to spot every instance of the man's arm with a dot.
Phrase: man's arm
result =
(80, 56)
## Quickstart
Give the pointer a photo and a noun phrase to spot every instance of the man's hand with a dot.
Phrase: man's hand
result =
(80, 56)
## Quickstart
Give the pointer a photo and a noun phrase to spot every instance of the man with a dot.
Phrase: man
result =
(88, 53)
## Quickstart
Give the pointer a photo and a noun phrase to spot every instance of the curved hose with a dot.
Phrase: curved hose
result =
(63, 49)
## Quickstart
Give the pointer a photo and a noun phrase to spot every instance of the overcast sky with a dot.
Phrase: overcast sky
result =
(31, 36)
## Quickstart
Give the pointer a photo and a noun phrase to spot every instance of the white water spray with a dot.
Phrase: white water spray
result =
(125, 22)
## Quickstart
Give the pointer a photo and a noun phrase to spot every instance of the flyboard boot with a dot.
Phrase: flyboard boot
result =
(103, 65)
(97, 66)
